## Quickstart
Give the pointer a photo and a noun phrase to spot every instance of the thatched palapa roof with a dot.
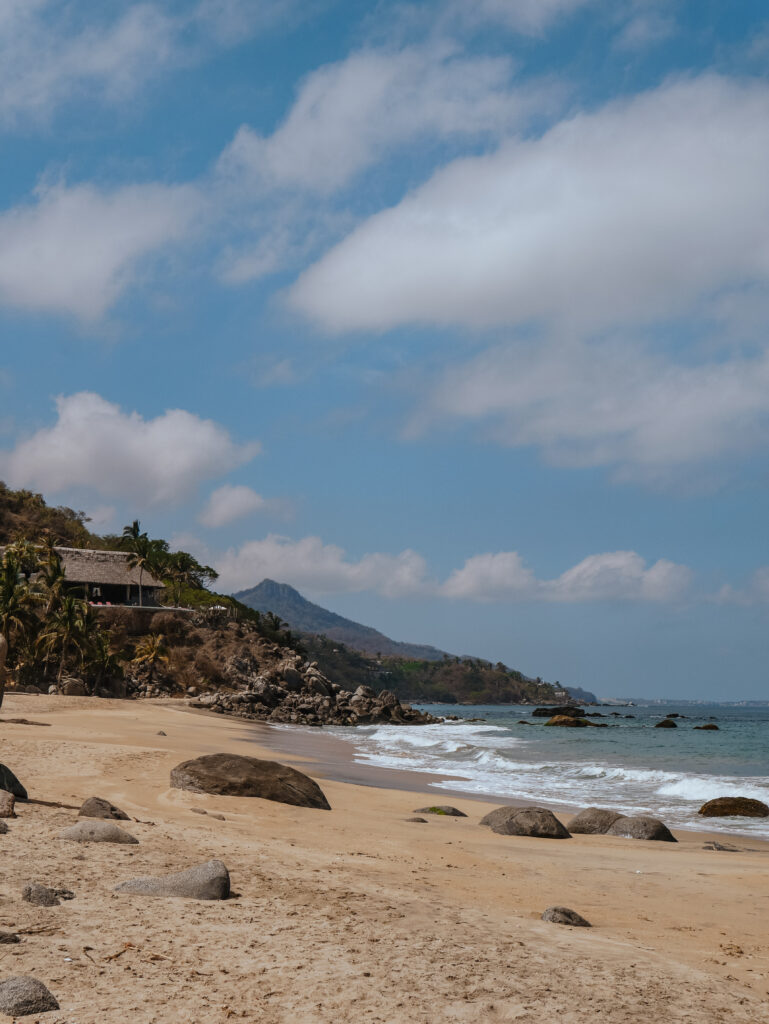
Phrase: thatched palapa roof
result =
(81, 565)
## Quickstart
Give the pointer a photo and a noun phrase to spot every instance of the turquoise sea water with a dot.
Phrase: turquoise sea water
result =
(630, 766)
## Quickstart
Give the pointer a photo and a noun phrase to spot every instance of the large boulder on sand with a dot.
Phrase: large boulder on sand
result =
(95, 807)
(238, 775)
(9, 782)
(734, 806)
(209, 881)
(525, 821)
(641, 827)
(593, 821)
(21, 997)
(562, 915)
(98, 832)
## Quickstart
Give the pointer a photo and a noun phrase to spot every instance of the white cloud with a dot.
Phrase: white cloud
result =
(755, 592)
(530, 17)
(51, 55)
(96, 446)
(612, 404)
(325, 568)
(231, 502)
(353, 113)
(645, 29)
(319, 567)
(633, 213)
(75, 249)
(616, 575)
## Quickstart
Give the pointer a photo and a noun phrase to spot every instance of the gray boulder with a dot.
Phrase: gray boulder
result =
(3, 828)
(445, 809)
(21, 997)
(95, 807)
(9, 782)
(98, 832)
(537, 822)
(209, 881)
(562, 915)
(641, 827)
(238, 775)
(593, 821)
(419, 821)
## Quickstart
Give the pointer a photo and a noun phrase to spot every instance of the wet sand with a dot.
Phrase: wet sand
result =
(354, 914)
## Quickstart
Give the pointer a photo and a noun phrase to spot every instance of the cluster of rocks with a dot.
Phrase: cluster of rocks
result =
(296, 692)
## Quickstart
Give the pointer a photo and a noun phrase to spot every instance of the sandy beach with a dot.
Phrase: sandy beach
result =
(354, 914)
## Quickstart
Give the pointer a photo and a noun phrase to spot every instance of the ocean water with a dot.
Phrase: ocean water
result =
(630, 766)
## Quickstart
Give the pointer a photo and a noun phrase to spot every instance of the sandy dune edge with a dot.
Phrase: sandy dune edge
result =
(353, 915)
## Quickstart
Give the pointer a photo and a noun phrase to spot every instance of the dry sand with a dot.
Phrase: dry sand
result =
(353, 915)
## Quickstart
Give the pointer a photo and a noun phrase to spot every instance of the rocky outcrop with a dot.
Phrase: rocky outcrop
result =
(562, 915)
(95, 807)
(525, 821)
(734, 806)
(98, 832)
(666, 723)
(593, 821)
(238, 775)
(564, 709)
(11, 784)
(296, 692)
(568, 721)
(641, 827)
(209, 881)
(22, 997)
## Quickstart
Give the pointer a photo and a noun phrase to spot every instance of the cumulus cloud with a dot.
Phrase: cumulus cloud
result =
(231, 502)
(632, 213)
(74, 249)
(319, 567)
(502, 576)
(96, 446)
(616, 575)
(353, 113)
(612, 404)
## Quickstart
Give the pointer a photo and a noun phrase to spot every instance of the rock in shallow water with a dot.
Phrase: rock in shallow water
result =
(98, 832)
(95, 807)
(537, 822)
(562, 915)
(209, 881)
(641, 827)
(593, 821)
(21, 997)
(734, 806)
(237, 775)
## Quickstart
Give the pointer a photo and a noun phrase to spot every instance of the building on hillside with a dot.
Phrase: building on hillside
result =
(106, 578)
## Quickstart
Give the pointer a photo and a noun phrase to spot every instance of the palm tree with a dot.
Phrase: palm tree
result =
(183, 570)
(69, 631)
(102, 660)
(51, 579)
(150, 651)
(139, 546)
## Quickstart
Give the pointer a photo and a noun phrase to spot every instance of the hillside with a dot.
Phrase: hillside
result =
(303, 615)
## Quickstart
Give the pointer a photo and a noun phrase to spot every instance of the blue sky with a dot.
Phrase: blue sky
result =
(453, 315)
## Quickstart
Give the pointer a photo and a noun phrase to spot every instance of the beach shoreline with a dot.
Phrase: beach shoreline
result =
(355, 914)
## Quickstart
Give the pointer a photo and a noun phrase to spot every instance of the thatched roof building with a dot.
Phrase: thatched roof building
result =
(106, 577)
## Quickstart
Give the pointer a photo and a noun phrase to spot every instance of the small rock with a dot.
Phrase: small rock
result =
(562, 915)
(708, 727)
(41, 896)
(21, 997)
(421, 821)
(641, 827)
(734, 806)
(666, 723)
(3, 828)
(209, 881)
(160, 733)
(8, 938)
(95, 807)
(11, 784)
(198, 810)
(219, 817)
(97, 832)
(450, 812)
(7, 803)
